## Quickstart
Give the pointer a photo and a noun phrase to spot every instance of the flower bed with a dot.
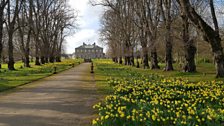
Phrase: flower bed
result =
(152, 100)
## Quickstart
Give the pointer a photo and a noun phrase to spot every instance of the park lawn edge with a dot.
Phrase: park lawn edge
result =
(116, 78)
(11, 88)
(208, 75)
(101, 83)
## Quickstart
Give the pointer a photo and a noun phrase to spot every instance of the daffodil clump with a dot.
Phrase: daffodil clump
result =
(146, 101)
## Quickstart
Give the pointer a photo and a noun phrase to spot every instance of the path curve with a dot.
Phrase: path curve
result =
(64, 99)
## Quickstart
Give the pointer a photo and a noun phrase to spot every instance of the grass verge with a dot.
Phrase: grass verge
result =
(21, 76)
(153, 97)
(106, 68)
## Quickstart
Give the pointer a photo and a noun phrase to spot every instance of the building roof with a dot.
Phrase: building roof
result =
(89, 46)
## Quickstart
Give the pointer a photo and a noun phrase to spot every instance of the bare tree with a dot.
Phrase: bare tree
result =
(153, 13)
(24, 22)
(2, 8)
(211, 35)
(189, 47)
(13, 9)
(167, 7)
(52, 21)
(126, 36)
(146, 19)
(110, 34)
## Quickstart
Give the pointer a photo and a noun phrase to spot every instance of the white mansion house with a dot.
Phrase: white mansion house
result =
(89, 51)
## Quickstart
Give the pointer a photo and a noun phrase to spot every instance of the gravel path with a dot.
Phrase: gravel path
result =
(64, 99)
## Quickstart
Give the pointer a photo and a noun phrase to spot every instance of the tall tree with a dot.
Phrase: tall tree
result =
(110, 34)
(147, 15)
(189, 47)
(24, 22)
(211, 35)
(166, 9)
(52, 22)
(123, 12)
(37, 5)
(153, 13)
(3, 5)
(13, 9)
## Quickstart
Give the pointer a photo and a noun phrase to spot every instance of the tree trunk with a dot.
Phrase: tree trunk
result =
(190, 51)
(146, 61)
(219, 59)
(11, 21)
(42, 59)
(1, 48)
(58, 56)
(37, 61)
(27, 61)
(27, 48)
(2, 8)
(58, 59)
(116, 60)
(132, 60)
(138, 65)
(120, 60)
(125, 60)
(154, 59)
(129, 60)
(10, 52)
(145, 58)
(189, 48)
(37, 54)
(52, 59)
(52, 52)
(166, 14)
(1, 35)
(46, 60)
(169, 48)
(169, 59)
(27, 58)
(0, 61)
(113, 59)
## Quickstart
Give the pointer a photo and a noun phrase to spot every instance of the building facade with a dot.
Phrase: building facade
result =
(89, 51)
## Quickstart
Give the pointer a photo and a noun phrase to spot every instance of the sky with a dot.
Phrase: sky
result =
(89, 25)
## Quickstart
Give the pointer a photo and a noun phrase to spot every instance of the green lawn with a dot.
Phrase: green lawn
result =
(153, 97)
(21, 76)
(106, 68)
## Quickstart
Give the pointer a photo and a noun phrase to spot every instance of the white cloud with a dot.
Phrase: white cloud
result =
(89, 24)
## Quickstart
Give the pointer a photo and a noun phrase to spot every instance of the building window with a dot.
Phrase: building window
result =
(96, 50)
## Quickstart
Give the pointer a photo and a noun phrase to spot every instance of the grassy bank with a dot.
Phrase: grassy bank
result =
(154, 97)
(21, 76)
(106, 68)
